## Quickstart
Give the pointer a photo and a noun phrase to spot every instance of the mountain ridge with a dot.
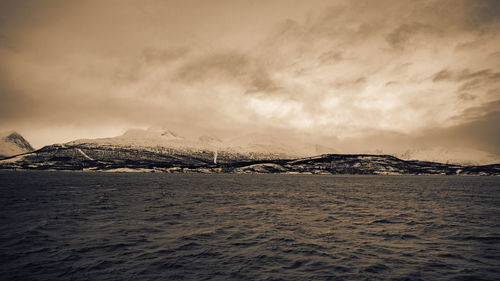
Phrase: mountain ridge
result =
(166, 151)
(115, 159)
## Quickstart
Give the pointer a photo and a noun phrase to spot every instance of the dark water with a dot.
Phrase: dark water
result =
(97, 226)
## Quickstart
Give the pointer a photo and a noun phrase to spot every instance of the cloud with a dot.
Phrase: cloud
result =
(226, 64)
(471, 84)
(444, 74)
(479, 112)
(240, 68)
(402, 36)
(347, 70)
(330, 57)
(483, 15)
(467, 97)
(157, 55)
(478, 130)
(464, 74)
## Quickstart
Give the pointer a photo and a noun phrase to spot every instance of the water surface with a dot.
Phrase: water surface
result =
(133, 226)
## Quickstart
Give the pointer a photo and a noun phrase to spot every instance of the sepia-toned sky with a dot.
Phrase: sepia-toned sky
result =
(371, 73)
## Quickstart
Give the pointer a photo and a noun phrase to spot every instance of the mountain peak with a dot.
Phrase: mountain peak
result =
(12, 143)
(151, 133)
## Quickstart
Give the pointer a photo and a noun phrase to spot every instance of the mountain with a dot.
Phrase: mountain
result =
(165, 151)
(246, 147)
(461, 156)
(283, 147)
(114, 158)
(139, 149)
(12, 143)
(258, 143)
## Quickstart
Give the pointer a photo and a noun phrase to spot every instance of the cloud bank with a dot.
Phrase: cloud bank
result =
(357, 75)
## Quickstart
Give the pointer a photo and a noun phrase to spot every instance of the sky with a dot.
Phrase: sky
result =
(353, 74)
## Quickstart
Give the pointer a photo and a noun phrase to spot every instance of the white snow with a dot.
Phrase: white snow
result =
(84, 154)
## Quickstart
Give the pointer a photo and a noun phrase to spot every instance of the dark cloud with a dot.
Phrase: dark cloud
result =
(479, 131)
(402, 35)
(260, 81)
(482, 15)
(466, 74)
(289, 28)
(132, 67)
(478, 113)
(495, 55)
(355, 83)
(252, 75)
(227, 64)
(442, 75)
(347, 22)
(468, 80)
(479, 79)
(330, 57)
(157, 55)
(5, 37)
(466, 97)
(470, 85)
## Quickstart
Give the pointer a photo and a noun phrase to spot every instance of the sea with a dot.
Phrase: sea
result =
(156, 226)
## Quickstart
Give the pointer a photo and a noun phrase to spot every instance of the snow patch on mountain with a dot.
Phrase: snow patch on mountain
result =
(84, 154)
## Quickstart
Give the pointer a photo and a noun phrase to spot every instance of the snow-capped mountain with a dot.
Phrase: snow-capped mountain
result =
(261, 143)
(165, 151)
(164, 146)
(251, 146)
(12, 143)
(138, 137)
(289, 147)
(459, 156)
(463, 156)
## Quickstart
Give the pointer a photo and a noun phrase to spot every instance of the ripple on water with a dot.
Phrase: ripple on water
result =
(91, 226)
